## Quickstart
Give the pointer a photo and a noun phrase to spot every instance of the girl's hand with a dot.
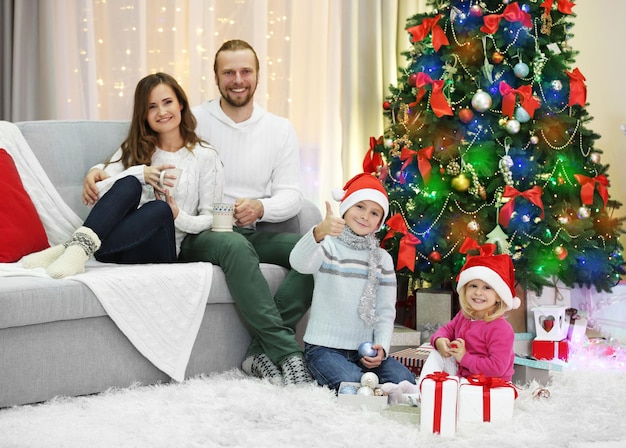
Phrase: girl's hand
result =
(443, 347)
(457, 349)
(371, 362)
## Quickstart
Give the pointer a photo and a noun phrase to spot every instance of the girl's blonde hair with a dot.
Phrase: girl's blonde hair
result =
(496, 311)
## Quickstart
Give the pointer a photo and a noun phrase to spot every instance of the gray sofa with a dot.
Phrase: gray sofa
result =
(55, 337)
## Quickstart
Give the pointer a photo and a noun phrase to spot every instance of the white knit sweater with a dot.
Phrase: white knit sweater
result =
(200, 185)
(261, 158)
(340, 273)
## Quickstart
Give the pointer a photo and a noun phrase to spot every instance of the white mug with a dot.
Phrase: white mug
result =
(176, 172)
(223, 217)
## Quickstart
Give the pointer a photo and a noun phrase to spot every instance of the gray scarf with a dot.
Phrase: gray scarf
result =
(367, 304)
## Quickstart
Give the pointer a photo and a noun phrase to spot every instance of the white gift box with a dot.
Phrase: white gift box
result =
(557, 318)
(439, 393)
(484, 399)
(355, 400)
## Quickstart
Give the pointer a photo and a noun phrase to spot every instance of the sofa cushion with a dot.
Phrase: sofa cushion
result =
(21, 230)
(29, 300)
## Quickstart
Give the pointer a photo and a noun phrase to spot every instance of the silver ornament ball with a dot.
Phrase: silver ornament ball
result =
(481, 101)
(521, 70)
(512, 126)
(556, 85)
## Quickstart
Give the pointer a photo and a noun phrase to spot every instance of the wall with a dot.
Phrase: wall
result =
(598, 36)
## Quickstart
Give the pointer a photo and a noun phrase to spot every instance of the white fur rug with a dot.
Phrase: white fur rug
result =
(586, 409)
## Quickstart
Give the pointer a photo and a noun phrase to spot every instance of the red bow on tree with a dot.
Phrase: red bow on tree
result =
(372, 159)
(406, 252)
(423, 160)
(438, 100)
(419, 32)
(533, 195)
(512, 13)
(587, 187)
(485, 250)
(527, 101)
(564, 6)
(577, 88)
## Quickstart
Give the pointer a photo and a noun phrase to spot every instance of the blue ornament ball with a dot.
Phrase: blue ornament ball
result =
(366, 349)
(348, 389)
(522, 115)
(521, 70)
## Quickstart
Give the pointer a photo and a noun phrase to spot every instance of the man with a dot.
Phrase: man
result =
(262, 178)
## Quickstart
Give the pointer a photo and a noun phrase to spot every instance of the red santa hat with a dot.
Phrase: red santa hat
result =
(495, 270)
(362, 187)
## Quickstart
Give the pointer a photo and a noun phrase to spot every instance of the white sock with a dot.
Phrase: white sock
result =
(70, 263)
(82, 245)
(43, 258)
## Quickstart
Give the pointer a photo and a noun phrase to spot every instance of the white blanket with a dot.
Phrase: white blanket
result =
(159, 307)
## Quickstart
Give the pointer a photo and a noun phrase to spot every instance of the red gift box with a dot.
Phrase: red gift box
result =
(551, 349)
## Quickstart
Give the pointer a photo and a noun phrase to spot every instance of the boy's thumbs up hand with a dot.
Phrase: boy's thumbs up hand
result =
(331, 225)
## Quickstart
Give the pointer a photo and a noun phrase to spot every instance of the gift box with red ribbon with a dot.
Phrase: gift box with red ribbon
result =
(439, 394)
(486, 399)
(551, 349)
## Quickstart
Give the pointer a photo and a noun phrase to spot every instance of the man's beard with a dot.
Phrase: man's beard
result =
(239, 101)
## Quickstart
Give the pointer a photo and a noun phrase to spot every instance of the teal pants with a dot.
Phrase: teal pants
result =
(272, 320)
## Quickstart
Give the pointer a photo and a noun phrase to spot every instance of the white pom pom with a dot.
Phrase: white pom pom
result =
(516, 303)
(338, 194)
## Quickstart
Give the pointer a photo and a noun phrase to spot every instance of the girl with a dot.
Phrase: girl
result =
(135, 219)
(478, 340)
(354, 295)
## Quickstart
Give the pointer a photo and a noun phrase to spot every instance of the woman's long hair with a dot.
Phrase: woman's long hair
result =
(142, 141)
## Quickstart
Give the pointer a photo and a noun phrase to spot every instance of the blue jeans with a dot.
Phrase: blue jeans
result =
(331, 366)
(131, 235)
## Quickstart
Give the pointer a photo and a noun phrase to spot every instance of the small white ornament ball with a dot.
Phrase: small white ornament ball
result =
(369, 379)
(521, 70)
(473, 226)
(557, 85)
(388, 143)
(584, 212)
(595, 157)
(512, 126)
(534, 140)
(481, 101)
(364, 390)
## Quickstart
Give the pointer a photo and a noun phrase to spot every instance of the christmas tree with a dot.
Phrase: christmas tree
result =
(488, 141)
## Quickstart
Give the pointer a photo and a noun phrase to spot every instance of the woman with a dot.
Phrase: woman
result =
(134, 218)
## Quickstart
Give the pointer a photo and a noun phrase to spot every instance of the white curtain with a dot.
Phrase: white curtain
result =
(325, 64)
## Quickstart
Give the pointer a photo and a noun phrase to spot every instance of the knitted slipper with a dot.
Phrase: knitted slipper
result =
(262, 366)
(43, 258)
(295, 372)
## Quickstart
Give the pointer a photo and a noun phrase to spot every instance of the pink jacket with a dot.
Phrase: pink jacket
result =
(489, 345)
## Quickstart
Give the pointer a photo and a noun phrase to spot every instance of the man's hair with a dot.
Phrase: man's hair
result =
(235, 45)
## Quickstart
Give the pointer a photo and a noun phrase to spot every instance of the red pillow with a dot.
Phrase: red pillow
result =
(21, 230)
